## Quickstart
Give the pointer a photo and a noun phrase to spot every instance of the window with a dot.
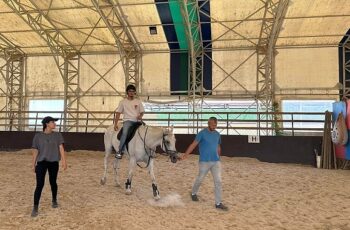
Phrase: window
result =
(38, 109)
(181, 116)
(305, 106)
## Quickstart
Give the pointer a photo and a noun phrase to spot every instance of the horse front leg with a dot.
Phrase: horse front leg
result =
(116, 167)
(132, 164)
(156, 195)
(105, 161)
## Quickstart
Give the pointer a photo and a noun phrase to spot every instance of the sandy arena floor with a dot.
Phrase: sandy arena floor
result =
(259, 195)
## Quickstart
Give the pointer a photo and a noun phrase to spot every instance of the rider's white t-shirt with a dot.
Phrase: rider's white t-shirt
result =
(130, 109)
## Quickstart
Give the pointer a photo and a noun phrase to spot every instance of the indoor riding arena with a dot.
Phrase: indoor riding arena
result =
(274, 73)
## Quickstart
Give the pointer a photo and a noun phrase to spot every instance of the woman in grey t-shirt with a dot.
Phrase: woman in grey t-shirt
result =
(48, 150)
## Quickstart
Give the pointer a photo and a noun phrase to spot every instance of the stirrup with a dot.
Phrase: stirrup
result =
(118, 155)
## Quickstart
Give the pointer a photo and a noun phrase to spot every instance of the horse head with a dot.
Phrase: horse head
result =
(168, 144)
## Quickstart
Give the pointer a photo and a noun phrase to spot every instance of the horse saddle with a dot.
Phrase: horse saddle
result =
(131, 132)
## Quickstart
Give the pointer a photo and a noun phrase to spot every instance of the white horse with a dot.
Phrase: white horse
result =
(141, 148)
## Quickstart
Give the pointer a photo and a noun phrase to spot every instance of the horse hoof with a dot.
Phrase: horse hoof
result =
(128, 192)
(103, 181)
(156, 197)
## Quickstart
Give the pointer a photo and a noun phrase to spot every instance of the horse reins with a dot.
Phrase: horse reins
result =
(170, 153)
(144, 146)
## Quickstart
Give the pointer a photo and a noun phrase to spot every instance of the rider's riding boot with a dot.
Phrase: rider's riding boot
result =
(119, 155)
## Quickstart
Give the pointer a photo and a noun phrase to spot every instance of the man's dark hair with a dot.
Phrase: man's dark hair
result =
(130, 87)
(214, 119)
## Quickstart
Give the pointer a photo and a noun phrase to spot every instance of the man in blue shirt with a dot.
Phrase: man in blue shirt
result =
(209, 159)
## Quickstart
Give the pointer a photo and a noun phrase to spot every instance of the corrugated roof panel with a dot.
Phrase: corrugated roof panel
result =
(137, 2)
(101, 34)
(80, 37)
(245, 30)
(302, 8)
(311, 41)
(236, 20)
(99, 48)
(141, 14)
(162, 46)
(307, 23)
(44, 4)
(37, 51)
(4, 7)
(230, 61)
(26, 39)
(11, 22)
(75, 18)
(26, 4)
(229, 10)
(146, 15)
(143, 36)
(235, 43)
(75, 38)
(317, 27)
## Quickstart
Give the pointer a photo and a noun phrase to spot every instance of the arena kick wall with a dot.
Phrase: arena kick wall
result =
(273, 149)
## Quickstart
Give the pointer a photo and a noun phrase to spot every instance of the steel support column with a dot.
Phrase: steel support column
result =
(71, 72)
(64, 54)
(344, 66)
(15, 79)
(129, 48)
(190, 13)
(275, 11)
(13, 74)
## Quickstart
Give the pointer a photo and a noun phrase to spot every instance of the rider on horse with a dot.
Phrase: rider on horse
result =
(132, 110)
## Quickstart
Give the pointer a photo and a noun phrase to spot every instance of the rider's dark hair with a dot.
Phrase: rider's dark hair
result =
(130, 87)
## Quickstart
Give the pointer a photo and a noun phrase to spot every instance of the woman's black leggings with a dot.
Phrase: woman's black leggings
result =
(40, 170)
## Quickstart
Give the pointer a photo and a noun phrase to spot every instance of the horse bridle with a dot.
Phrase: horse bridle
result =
(171, 153)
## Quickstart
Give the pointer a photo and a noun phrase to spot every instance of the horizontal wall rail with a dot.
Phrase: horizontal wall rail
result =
(229, 123)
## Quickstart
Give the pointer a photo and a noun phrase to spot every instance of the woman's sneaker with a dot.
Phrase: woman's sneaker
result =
(35, 212)
(54, 204)
(221, 206)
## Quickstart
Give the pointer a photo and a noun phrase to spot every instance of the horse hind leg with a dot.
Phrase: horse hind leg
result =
(156, 195)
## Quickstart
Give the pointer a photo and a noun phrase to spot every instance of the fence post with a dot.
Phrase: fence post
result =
(227, 124)
(61, 121)
(292, 124)
(87, 121)
(259, 124)
(36, 121)
(168, 119)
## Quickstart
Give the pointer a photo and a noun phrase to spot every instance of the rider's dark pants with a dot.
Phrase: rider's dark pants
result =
(126, 127)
